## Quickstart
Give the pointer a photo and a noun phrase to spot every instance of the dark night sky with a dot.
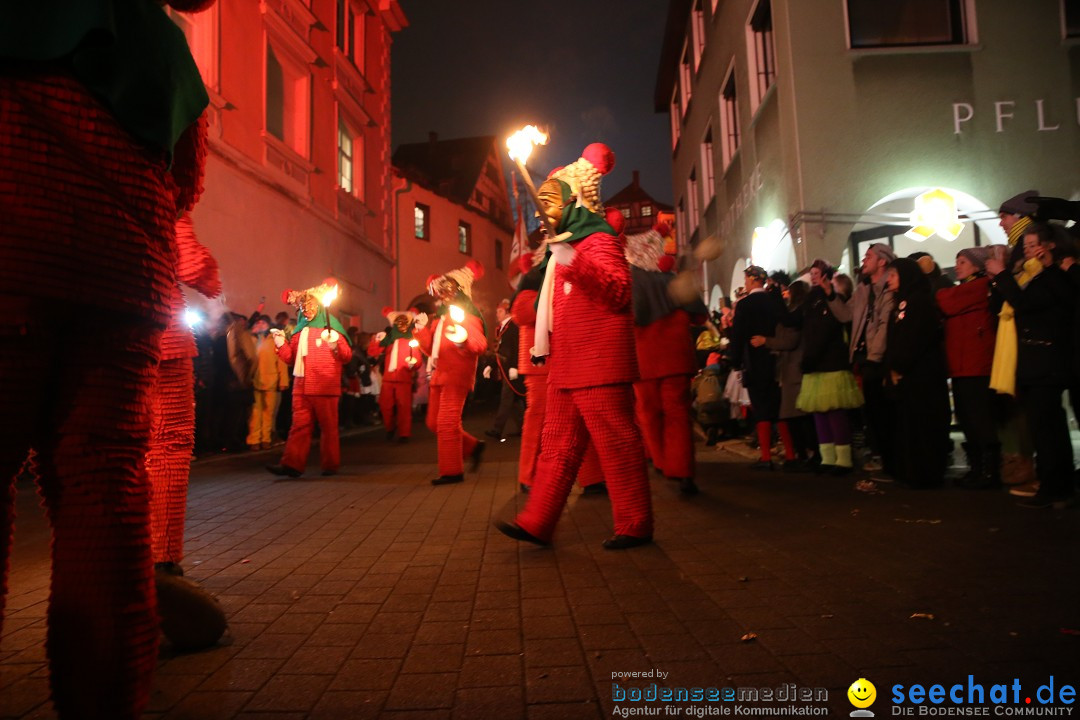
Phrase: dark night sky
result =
(584, 68)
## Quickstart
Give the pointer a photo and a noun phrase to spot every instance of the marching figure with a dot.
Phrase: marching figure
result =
(665, 355)
(585, 329)
(401, 356)
(453, 344)
(319, 347)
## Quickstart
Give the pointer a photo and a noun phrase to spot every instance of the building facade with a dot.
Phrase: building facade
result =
(811, 128)
(450, 206)
(298, 177)
(639, 208)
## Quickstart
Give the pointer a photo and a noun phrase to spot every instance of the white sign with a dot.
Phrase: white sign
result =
(1045, 119)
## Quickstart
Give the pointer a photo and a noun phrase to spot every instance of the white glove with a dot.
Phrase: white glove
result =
(562, 253)
(331, 336)
(421, 321)
(279, 337)
(379, 337)
(512, 373)
(487, 372)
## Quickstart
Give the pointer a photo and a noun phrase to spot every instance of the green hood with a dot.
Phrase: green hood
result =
(579, 221)
(320, 321)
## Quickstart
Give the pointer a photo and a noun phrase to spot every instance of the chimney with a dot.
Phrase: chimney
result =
(636, 183)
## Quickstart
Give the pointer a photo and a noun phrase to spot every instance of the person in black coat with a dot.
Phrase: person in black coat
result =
(1044, 325)
(512, 393)
(916, 374)
(757, 315)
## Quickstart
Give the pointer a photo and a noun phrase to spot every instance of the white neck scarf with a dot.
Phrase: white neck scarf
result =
(301, 352)
(545, 314)
(434, 359)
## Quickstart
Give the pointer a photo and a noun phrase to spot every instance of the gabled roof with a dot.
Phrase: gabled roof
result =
(448, 167)
(634, 193)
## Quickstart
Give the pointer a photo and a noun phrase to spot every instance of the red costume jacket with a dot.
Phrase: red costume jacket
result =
(970, 328)
(665, 348)
(402, 373)
(322, 368)
(457, 363)
(523, 312)
(592, 341)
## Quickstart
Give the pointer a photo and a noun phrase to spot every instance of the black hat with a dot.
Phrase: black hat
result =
(757, 272)
(1020, 204)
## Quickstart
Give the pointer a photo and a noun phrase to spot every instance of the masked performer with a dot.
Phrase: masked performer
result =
(318, 349)
(452, 345)
(190, 617)
(400, 353)
(585, 329)
(103, 143)
(665, 355)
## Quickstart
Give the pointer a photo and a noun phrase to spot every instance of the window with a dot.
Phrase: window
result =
(713, 12)
(422, 222)
(288, 104)
(625, 212)
(685, 80)
(350, 33)
(762, 54)
(707, 175)
(646, 211)
(1070, 10)
(201, 31)
(729, 118)
(697, 27)
(464, 238)
(680, 217)
(675, 118)
(886, 23)
(498, 254)
(345, 158)
(692, 200)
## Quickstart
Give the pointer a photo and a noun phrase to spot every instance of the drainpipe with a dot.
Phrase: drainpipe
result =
(394, 223)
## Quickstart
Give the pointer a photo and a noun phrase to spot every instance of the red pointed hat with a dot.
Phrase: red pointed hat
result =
(600, 156)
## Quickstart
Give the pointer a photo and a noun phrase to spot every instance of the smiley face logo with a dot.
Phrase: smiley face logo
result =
(862, 693)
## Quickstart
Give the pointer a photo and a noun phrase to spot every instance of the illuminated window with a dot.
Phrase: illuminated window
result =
(350, 33)
(288, 100)
(1070, 11)
(676, 117)
(464, 234)
(685, 79)
(707, 175)
(625, 212)
(692, 200)
(646, 210)
(422, 222)
(762, 55)
(498, 254)
(697, 20)
(887, 23)
(729, 118)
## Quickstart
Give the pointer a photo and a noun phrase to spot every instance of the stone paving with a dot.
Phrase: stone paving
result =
(374, 594)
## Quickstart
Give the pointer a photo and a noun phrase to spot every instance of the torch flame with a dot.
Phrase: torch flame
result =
(414, 344)
(457, 314)
(521, 143)
(329, 296)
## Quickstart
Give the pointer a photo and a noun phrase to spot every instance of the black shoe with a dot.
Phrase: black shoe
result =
(762, 465)
(284, 470)
(191, 618)
(599, 488)
(477, 455)
(403, 439)
(823, 469)
(794, 466)
(687, 486)
(1037, 502)
(329, 473)
(448, 479)
(512, 530)
(624, 542)
(389, 434)
(841, 470)
(524, 488)
(169, 568)
(494, 434)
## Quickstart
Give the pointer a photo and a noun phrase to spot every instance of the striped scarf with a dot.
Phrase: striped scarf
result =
(1016, 234)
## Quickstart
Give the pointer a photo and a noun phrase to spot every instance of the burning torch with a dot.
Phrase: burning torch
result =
(457, 333)
(520, 145)
(328, 297)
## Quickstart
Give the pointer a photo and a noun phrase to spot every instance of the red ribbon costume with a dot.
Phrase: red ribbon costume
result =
(401, 356)
(173, 430)
(453, 367)
(89, 203)
(591, 364)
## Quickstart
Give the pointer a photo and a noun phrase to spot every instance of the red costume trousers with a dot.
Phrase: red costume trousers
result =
(444, 419)
(663, 412)
(307, 410)
(605, 416)
(533, 426)
(80, 399)
(168, 463)
(396, 397)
